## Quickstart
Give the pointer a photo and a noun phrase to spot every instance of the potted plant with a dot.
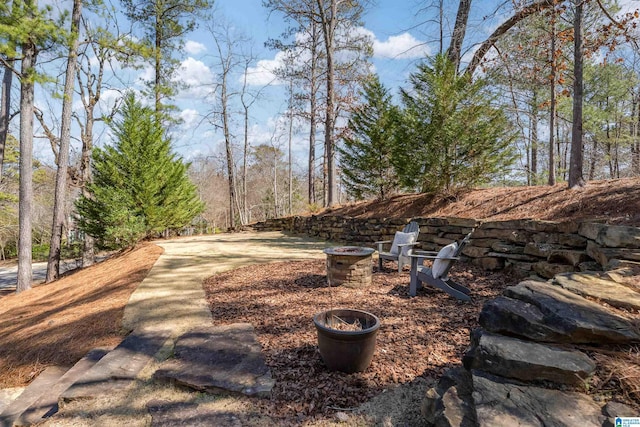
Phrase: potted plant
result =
(346, 338)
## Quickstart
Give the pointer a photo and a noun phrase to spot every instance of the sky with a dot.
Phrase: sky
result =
(403, 34)
(399, 41)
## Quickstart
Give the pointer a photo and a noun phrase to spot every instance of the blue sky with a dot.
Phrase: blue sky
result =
(403, 33)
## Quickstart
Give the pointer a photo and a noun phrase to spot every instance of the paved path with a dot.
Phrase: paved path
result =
(171, 296)
(171, 300)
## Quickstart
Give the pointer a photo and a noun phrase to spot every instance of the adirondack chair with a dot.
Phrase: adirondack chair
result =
(401, 245)
(436, 276)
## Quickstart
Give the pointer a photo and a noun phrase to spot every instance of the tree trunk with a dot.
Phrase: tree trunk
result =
(534, 142)
(312, 120)
(53, 264)
(229, 152)
(5, 105)
(25, 204)
(552, 104)
(290, 143)
(455, 48)
(576, 157)
(328, 29)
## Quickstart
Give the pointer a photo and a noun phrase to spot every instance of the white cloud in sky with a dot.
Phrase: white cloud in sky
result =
(194, 48)
(403, 46)
(194, 73)
(190, 118)
(264, 72)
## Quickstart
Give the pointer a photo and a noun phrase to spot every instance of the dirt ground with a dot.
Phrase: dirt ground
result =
(611, 201)
(418, 339)
(58, 323)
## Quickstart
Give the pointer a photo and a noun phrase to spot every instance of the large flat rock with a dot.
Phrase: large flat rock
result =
(583, 321)
(499, 402)
(217, 359)
(606, 290)
(120, 367)
(527, 361)
(514, 317)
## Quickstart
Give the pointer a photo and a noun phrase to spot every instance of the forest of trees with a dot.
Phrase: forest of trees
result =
(551, 95)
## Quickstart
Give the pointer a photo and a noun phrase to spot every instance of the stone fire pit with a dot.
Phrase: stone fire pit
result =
(349, 266)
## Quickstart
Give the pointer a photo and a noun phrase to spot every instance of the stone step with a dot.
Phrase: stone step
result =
(120, 367)
(34, 391)
(47, 404)
(527, 361)
(601, 288)
(578, 319)
(216, 359)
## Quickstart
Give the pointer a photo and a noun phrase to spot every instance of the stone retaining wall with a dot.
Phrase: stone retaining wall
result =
(527, 247)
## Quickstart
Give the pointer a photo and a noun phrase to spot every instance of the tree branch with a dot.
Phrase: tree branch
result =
(502, 29)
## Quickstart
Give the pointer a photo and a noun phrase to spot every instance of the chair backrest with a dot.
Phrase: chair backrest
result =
(412, 227)
(457, 253)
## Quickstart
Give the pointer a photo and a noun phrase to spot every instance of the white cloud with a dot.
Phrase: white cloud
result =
(403, 46)
(194, 73)
(194, 48)
(264, 72)
(190, 118)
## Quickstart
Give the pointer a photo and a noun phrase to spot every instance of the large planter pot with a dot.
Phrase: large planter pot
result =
(345, 350)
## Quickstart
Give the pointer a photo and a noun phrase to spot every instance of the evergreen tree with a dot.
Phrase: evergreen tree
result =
(451, 135)
(140, 187)
(366, 155)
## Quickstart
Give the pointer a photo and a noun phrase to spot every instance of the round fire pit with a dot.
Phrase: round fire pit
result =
(349, 266)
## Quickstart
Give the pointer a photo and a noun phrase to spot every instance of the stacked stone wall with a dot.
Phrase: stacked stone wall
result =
(526, 247)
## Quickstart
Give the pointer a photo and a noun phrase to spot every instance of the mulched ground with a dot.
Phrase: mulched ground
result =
(419, 337)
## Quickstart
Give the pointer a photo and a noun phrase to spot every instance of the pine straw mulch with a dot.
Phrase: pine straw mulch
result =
(419, 337)
(58, 323)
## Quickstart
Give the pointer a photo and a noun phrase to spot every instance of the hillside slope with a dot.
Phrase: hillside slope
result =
(611, 201)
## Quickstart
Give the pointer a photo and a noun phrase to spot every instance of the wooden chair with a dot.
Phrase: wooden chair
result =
(400, 246)
(436, 276)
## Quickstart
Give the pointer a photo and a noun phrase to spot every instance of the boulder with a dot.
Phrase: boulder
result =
(517, 257)
(514, 317)
(474, 251)
(527, 361)
(513, 236)
(449, 404)
(572, 240)
(499, 402)
(548, 238)
(512, 224)
(606, 255)
(612, 236)
(548, 270)
(567, 256)
(506, 248)
(541, 250)
(592, 285)
(581, 320)
(489, 263)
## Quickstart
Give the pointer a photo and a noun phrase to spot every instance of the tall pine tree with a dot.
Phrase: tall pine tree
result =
(366, 153)
(451, 137)
(140, 187)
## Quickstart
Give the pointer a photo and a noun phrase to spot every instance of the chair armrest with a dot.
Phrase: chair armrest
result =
(382, 241)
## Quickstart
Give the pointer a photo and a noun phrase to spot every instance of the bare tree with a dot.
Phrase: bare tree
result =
(53, 264)
(455, 48)
(25, 204)
(576, 159)
(228, 60)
